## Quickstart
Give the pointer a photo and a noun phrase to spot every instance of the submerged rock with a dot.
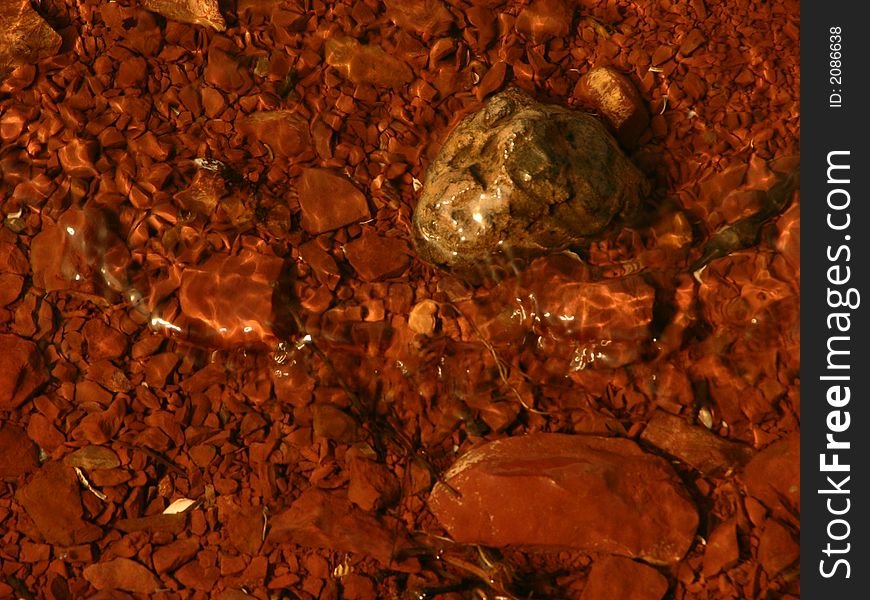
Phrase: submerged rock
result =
(588, 493)
(521, 178)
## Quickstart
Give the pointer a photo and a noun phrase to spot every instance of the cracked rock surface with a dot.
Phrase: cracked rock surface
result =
(521, 178)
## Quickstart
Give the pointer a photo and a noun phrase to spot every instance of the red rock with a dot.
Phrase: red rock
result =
(321, 262)
(172, 523)
(93, 457)
(376, 257)
(372, 485)
(122, 574)
(366, 63)
(430, 17)
(774, 477)
(692, 41)
(332, 423)
(52, 498)
(357, 587)
(617, 100)
(100, 427)
(10, 288)
(197, 576)
(245, 528)
(544, 19)
(41, 430)
(103, 340)
(224, 72)
(77, 158)
(777, 548)
(285, 132)
(618, 578)
(695, 445)
(23, 371)
(330, 200)
(722, 551)
(25, 38)
(228, 299)
(663, 54)
(321, 519)
(197, 12)
(587, 493)
(18, 455)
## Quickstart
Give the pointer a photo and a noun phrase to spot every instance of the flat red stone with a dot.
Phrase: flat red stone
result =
(375, 257)
(330, 200)
(228, 299)
(549, 490)
(621, 578)
(285, 132)
(122, 574)
(722, 550)
(23, 371)
(18, 455)
(773, 476)
(52, 498)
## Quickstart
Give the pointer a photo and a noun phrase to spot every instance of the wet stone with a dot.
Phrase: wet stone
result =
(23, 371)
(227, 300)
(587, 493)
(617, 100)
(521, 178)
(284, 132)
(376, 257)
(197, 12)
(366, 63)
(329, 200)
(544, 19)
(616, 577)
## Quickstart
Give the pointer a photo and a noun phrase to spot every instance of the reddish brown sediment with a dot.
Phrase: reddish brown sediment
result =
(209, 291)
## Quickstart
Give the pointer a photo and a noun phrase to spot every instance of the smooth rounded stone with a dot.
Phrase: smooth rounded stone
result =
(617, 100)
(549, 490)
(521, 178)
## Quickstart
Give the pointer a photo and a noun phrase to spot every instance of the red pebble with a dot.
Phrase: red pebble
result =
(330, 200)
(23, 370)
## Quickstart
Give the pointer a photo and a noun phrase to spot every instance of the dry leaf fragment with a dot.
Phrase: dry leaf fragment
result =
(179, 506)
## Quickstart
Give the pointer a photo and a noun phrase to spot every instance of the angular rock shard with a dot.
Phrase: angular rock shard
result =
(587, 493)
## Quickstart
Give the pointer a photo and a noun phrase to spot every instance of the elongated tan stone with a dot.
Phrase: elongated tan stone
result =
(588, 493)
